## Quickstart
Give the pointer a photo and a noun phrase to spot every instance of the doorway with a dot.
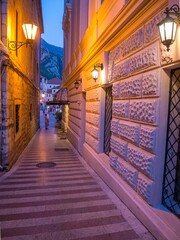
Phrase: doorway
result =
(108, 117)
(171, 184)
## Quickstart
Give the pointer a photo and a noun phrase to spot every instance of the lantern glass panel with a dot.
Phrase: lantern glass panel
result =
(29, 31)
(95, 73)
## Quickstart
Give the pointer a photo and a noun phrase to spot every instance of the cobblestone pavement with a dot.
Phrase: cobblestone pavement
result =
(64, 201)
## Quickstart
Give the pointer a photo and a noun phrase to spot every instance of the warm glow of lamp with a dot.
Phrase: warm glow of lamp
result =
(95, 72)
(29, 31)
(30, 34)
(167, 29)
(43, 95)
(168, 26)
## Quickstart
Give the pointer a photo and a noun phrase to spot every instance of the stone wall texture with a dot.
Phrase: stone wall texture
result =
(131, 56)
(135, 109)
(92, 124)
(20, 82)
(73, 111)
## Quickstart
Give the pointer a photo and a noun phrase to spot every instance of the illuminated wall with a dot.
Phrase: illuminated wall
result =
(123, 35)
(20, 79)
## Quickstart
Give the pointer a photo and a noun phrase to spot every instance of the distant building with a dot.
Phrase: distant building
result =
(49, 88)
(43, 92)
(125, 122)
(54, 82)
(43, 83)
(19, 76)
(49, 95)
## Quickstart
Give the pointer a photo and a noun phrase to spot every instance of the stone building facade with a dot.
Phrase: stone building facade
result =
(121, 123)
(19, 75)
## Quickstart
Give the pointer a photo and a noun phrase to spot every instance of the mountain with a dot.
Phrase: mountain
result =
(51, 60)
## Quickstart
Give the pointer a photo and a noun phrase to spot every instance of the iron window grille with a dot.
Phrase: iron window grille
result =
(171, 184)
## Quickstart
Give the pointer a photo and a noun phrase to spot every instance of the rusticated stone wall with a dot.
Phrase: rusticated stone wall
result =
(134, 70)
(73, 112)
(136, 76)
(93, 119)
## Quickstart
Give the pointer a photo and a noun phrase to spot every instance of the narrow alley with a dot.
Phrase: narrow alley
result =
(52, 194)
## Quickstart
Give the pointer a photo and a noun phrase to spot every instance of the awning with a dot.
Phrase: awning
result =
(57, 103)
(60, 98)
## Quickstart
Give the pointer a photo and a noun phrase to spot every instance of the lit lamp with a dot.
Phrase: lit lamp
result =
(95, 72)
(168, 26)
(43, 95)
(77, 83)
(29, 30)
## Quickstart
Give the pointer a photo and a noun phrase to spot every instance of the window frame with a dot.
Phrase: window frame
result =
(17, 133)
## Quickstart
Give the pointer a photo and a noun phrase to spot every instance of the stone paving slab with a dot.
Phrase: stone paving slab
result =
(62, 202)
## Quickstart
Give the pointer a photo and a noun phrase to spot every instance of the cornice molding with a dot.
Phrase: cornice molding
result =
(66, 19)
(133, 13)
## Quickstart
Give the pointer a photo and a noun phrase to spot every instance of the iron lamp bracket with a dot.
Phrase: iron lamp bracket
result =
(14, 45)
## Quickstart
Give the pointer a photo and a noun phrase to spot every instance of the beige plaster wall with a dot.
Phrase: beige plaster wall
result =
(20, 80)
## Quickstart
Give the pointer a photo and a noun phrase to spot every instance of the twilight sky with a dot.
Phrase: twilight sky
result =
(52, 17)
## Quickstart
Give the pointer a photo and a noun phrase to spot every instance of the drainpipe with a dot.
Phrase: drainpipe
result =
(4, 57)
(0, 93)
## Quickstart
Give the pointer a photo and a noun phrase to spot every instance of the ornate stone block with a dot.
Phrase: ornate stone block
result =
(114, 126)
(145, 188)
(131, 87)
(147, 138)
(92, 118)
(150, 84)
(120, 70)
(131, 44)
(113, 160)
(146, 58)
(128, 173)
(151, 29)
(120, 108)
(138, 62)
(129, 130)
(141, 160)
(119, 146)
(92, 107)
(92, 130)
(117, 55)
(116, 90)
(144, 110)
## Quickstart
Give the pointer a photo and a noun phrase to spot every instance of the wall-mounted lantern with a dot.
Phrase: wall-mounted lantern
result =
(29, 30)
(168, 26)
(43, 94)
(77, 83)
(95, 72)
